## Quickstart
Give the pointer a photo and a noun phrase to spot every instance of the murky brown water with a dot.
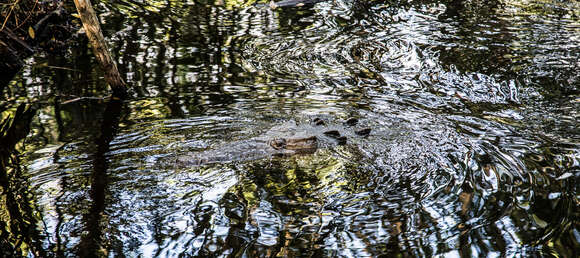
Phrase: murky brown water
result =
(474, 149)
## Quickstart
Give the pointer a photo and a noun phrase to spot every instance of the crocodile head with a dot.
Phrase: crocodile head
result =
(281, 141)
(309, 144)
(304, 145)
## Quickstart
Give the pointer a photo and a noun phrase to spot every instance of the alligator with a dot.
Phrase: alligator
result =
(285, 140)
(293, 3)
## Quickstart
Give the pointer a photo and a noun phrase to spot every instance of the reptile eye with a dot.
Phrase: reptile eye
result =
(318, 121)
(278, 143)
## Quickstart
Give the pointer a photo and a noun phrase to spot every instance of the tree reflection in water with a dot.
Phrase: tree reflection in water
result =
(473, 150)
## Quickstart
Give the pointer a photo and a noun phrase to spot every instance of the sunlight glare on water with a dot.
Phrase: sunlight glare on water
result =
(472, 108)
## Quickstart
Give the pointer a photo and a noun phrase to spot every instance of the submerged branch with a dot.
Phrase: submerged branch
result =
(95, 35)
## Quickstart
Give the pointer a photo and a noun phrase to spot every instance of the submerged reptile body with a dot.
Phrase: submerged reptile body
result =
(294, 3)
(284, 140)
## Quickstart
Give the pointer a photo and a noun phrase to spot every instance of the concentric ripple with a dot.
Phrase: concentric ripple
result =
(473, 149)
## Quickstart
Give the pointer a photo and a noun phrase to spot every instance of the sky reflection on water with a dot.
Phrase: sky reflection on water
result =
(473, 150)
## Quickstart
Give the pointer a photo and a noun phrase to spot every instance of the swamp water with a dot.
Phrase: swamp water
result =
(474, 149)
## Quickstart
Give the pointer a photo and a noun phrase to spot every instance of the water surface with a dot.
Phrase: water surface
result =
(474, 149)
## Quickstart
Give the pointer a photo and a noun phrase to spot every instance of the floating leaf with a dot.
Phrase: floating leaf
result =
(31, 32)
(76, 15)
(539, 222)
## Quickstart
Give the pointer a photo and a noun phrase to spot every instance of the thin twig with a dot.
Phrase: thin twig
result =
(27, 17)
(8, 15)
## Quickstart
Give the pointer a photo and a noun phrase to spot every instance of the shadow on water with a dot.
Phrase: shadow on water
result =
(473, 149)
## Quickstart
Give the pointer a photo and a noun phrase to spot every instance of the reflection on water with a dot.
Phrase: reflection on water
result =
(473, 150)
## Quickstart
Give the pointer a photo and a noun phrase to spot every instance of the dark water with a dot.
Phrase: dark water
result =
(474, 149)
